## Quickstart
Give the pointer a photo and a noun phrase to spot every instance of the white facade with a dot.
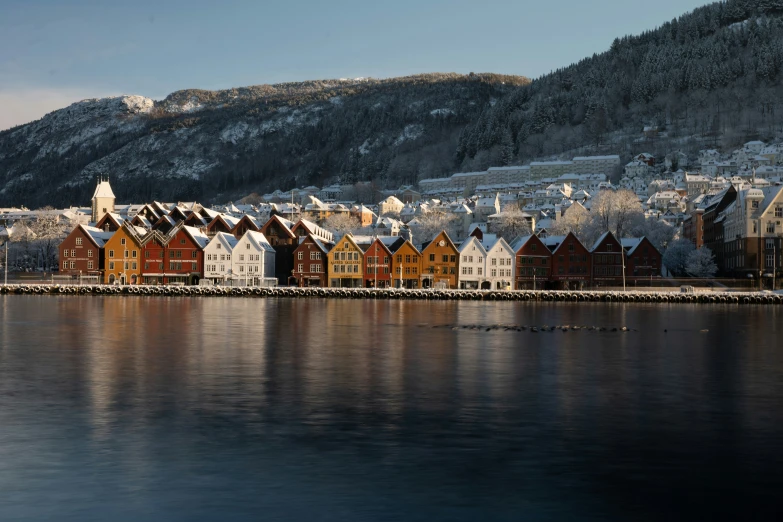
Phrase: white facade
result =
(471, 264)
(217, 258)
(253, 262)
(500, 265)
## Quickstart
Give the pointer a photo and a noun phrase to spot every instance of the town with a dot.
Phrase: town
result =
(546, 225)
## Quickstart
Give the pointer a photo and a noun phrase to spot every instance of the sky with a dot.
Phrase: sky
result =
(56, 52)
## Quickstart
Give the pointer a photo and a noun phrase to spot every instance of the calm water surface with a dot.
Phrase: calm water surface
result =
(172, 409)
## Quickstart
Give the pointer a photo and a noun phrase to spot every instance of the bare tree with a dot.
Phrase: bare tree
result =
(676, 256)
(701, 263)
(48, 232)
(427, 226)
(341, 223)
(511, 224)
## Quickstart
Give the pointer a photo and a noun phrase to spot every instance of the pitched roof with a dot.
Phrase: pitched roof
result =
(103, 190)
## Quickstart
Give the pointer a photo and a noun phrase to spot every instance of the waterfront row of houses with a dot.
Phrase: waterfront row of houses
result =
(283, 252)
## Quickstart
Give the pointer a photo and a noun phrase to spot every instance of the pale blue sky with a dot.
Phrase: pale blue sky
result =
(55, 52)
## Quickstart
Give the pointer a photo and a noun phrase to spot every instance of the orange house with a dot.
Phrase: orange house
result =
(123, 255)
(406, 264)
(439, 262)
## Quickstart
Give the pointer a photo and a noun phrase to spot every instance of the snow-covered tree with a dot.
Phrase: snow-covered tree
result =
(511, 224)
(676, 256)
(701, 263)
(341, 223)
(427, 226)
(576, 219)
(660, 233)
(47, 231)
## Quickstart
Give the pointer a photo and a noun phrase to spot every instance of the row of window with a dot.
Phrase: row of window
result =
(346, 269)
(128, 266)
(500, 273)
(409, 270)
(444, 258)
(469, 259)
(504, 261)
(532, 260)
(408, 258)
(346, 256)
(314, 267)
(468, 270)
(72, 265)
(128, 253)
(73, 252)
(314, 256)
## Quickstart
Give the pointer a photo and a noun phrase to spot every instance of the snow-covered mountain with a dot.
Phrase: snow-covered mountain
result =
(204, 145)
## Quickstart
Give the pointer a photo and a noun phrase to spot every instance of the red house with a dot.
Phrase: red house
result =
(81, 253)
(176, 257)
(571, 262)
(377, 262)
(643, 260)
(608, 262)
(244, 224)
(533, 263)
(310, 261)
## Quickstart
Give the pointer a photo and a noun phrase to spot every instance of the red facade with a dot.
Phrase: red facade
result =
(608, 262)
(533, 264)
(377, 265)
(571, 263)
(310, 263)
(172, 258)
(81, 254)
(643, 261)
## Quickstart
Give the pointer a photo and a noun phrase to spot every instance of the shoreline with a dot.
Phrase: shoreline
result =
(631, 296)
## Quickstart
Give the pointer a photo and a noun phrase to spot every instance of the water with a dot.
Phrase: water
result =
(172, 409)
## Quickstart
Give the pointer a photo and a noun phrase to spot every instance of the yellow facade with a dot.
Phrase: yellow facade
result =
(439, 263)
(123, 259)
(345, 264)
(406, 267)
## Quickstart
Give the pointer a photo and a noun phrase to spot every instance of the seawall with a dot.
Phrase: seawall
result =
(364, 293)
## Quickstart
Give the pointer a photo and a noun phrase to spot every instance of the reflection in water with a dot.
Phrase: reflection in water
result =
(230, 409)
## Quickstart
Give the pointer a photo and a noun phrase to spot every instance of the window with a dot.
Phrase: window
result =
(385, 260)
(126, 254)
(432, 258)
(407, 270)
(134, 266)
(182, 242)
(65, 253)
(73, 253)
(464, 259)
(445, 270)
(89, 265)
(73, 264)
(194, 254)
(111, 265)
(146, 266)
(415, 259)
(778, 213)
(300, 267)
(126, 265)
(399, 258)
(89, 253)
(122, 240)
(111, 253)
(480, 271)
(494, 272)
(493, 262)
(78, 241)
(453, 259)
(300, 256)
(134, 253)
(771, 227)
(571, 247)
(146, 253)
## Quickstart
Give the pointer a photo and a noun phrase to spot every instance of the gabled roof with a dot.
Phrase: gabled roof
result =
(471, 240)
(601, 239)
(320, 244)
(227, 240)
(96, 235)
(399, 243)
(501, 243)
(197, 236)
(258, 239)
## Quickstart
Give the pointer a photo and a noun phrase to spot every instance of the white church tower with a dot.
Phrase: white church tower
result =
(102, 200)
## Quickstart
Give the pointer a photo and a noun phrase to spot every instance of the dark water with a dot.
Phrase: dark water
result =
(126, 409)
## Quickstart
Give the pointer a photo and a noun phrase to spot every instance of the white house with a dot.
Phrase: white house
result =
(253, 262)
(500, 265)
(471, 264)
(217, 258)
(390, 205)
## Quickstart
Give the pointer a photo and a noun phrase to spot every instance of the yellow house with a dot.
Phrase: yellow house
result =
(440, 258)
(123, 255)
(406, 264)
(345, 264)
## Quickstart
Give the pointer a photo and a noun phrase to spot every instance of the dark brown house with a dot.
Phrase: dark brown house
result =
(310, 262)
(81, 253)
(533, 263)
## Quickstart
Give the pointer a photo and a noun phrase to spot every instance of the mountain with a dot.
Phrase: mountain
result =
(709, 78)
(218, 145)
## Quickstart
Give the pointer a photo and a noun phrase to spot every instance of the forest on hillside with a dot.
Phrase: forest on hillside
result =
(711, 77)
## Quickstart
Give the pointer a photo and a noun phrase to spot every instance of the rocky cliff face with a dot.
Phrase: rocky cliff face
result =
(212, 145)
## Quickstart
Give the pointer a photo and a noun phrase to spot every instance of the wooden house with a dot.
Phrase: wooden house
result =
(81, 252)
(571, 262)
(278, 232)
(533, 263)
(123, 255)
(254, 261)
(440, 260)
(608, 261)
(345, 262)
(406, 264)
(310, 261)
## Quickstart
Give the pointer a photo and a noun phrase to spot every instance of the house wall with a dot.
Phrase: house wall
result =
(123, 259)
(82, 256)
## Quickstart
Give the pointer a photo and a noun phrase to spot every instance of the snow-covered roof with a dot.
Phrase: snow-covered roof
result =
(103, 190)
(197, 236)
